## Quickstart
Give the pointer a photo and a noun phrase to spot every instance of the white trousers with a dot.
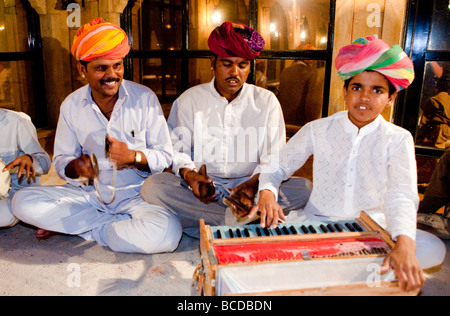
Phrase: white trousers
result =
(7, 218)
(134, 227)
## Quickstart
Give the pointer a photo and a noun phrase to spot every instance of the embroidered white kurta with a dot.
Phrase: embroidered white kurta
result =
(372, 169)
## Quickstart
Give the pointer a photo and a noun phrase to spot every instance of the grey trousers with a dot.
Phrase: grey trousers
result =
(171, 192)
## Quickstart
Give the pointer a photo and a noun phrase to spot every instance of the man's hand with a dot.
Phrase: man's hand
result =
(120, 154)
(245, 193)
(269, 210)
(403, 261)
(24, 162)
(80, 167)
(195, 181)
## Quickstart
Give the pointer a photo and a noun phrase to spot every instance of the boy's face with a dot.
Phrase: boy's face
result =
(366, 97)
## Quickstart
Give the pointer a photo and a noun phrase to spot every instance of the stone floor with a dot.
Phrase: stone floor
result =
(68, 265)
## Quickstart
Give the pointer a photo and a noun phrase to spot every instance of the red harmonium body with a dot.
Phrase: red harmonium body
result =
(304, 258)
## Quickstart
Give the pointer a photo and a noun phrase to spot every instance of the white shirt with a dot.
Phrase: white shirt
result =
(19, 137)
(231, 138)
(137, 120)
(372, 170)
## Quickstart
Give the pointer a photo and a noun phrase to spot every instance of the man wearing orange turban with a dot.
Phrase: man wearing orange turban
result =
(137, 143)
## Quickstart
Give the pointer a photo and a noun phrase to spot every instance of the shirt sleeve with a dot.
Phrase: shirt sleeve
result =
(181, 126)
(67, 147)
(402, 198)
(275, 137)
(290, 158)
(158, 151)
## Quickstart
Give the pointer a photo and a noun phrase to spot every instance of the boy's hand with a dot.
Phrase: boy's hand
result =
(24, 162)
(269, 210)
(403, 261)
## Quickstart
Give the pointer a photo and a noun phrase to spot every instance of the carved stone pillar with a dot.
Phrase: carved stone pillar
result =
(56, 54)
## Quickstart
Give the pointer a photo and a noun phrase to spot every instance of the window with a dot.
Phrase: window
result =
(170, 51)
(425, 109)
(21, 70)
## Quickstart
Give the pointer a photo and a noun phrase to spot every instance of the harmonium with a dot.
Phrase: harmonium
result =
(297, 258)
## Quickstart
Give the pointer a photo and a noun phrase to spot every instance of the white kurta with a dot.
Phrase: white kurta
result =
(231, 138)
(19, 137)
(128, 224)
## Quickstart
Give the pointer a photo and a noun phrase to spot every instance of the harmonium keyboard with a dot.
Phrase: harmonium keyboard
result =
(297, 258)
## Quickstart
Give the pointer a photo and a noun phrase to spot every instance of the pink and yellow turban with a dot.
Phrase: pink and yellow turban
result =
(371, 53)
(235, 40)
(99, 39)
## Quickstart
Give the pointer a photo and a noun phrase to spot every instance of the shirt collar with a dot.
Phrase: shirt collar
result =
(218, 95)
(351, 128)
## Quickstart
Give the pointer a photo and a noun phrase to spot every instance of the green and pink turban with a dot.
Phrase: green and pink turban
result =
(372, 53)
(235, 40)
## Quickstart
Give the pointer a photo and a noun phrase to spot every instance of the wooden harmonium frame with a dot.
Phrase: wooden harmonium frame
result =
(302, 258)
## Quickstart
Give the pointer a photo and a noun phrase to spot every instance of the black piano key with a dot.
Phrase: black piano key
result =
(219, 235)
(339, 227)
(323, 228)
(238, 232)
(285, 230)
(258, 232)
(350, 227)
(331, 228)
(231, 233)
(293, 230)
(266, 231)
(312, 229)
(278, 231)
(304, 229)
(357, 227)
(246, 232)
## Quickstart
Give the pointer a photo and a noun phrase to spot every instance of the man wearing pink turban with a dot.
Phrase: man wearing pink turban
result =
(361, 161)
(111, 133)
(228, 125)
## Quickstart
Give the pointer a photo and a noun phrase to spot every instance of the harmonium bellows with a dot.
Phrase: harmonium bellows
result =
(301, 258)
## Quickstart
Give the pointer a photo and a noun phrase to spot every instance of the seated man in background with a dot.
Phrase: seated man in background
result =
(19, 148)
(361, 161)
(229, 126)
(437, 195)
(122, 124)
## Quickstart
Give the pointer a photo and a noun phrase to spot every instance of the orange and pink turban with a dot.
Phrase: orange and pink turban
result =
(235, 40)
(99, 39)
(371, 53)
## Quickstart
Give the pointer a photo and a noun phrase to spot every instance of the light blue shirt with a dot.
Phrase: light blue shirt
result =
(19, 137)
(137, 120)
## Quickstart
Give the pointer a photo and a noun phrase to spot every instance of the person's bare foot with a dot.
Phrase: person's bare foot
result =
(43, 234)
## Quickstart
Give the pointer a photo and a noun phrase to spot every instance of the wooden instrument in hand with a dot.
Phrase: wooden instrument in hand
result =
(301, 258)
